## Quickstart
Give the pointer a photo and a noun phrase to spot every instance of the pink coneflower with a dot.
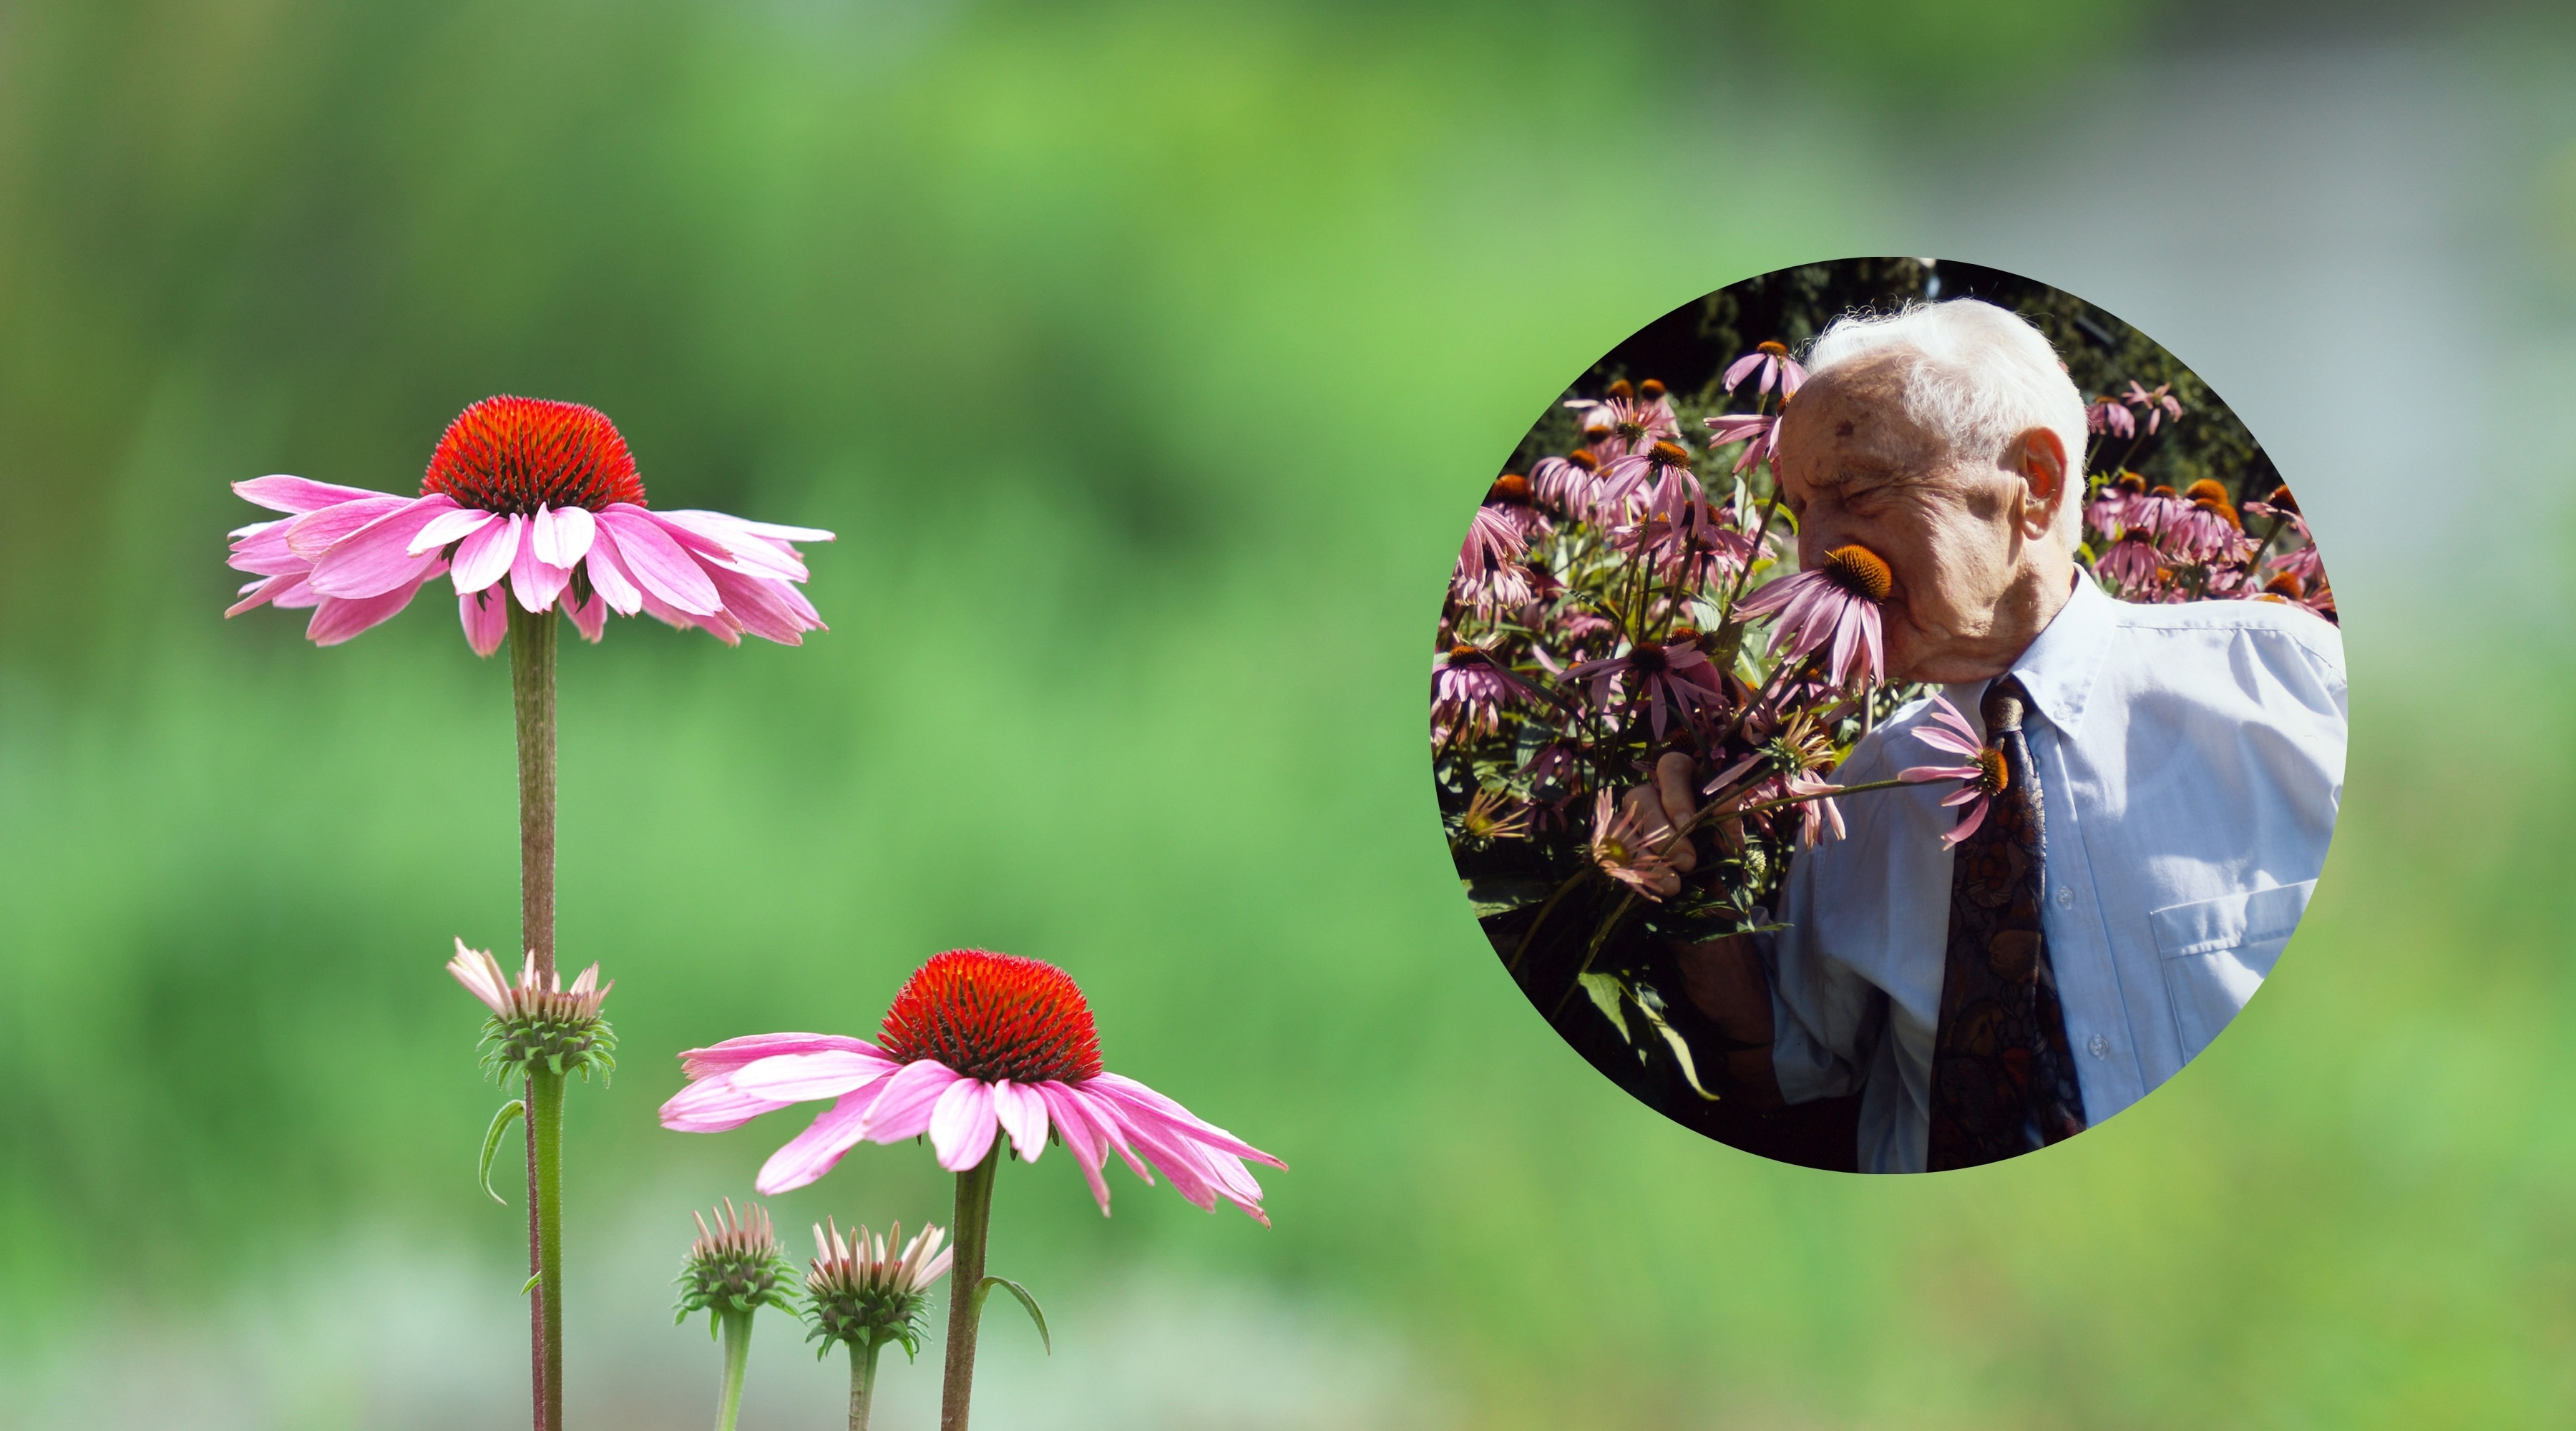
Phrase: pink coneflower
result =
(1628, 420)
(1837, 602)
(2155, 511)
(1627, 851)
(1773, 363)
(1569, 484)
(2208, 529)
(2157, 405)
(2110, 415)
(976, 1045)
(2131, 561)
(536, 497)
(1759, 432)
(1468, 689)
(1679, 674)
(2109, 509)
(1985, 774)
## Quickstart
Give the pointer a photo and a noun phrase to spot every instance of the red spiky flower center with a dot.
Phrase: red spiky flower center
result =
(509, 454)
(994, 1016)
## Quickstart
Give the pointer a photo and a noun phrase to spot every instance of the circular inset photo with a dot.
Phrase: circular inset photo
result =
(1889, 716)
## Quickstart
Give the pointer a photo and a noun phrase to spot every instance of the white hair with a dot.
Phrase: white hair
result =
(1978, 376)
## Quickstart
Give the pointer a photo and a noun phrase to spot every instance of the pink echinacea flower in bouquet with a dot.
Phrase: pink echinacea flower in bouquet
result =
(524, 499)
(1769, 364)
(1984, 774)
(1837, 602)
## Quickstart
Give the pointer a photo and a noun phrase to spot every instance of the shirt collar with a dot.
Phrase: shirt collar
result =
(2058, 668)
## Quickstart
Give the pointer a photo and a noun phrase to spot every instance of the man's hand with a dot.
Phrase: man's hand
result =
(1662, 808)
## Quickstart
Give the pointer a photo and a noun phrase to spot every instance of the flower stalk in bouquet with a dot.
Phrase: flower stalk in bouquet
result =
(530, 508)
(992, 1057)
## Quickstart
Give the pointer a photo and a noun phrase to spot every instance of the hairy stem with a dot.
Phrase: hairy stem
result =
(532, 699)
(545, 1126)
(965, 1277)
(532, 703)
(737, 1352)
(863, 1382)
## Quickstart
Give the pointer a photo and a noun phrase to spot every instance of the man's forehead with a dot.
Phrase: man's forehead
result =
(1852, 433)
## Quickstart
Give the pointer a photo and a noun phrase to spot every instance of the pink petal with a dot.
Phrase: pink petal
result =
(260, 593)
(811, 1154)
(655, 558)
(535, 582)
(282, 493)
(1137, 1095)
(1923, 773)
(452, 527)
(563, 536)
(904, 1102)
(1967, 826)
(776, 532)
(801, 1077)
(1109, 1123)
(311, 535)
(1792, 377)
(744, 551)
(379, 558)
(482, 977)
(261, 550)
(486, 618)
(962, 1124)
(485, 557)
(751, 601)
(1022, 1112)
(1073, 1123)
(592, 617)
(608, 575)
(1962, 797)
(749, 1049)
(1741, 368)
(339, 618)
(713, 1105)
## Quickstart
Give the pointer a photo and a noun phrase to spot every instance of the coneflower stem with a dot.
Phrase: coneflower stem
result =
(965, 1276)
(532, 699)
(532, 704)
(545, 1130)
(737, 1351)
(863, 1382)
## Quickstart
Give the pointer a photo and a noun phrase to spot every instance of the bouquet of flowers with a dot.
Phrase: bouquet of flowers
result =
(1626, 634)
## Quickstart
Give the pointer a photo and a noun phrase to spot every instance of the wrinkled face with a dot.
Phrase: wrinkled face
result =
(1959, 535)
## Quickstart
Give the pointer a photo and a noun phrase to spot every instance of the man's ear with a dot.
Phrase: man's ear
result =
(2039, 457)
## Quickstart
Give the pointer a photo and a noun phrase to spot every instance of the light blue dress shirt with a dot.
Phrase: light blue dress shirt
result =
(2190, 761)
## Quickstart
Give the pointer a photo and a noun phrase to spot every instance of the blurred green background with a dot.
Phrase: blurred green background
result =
(1149, 360)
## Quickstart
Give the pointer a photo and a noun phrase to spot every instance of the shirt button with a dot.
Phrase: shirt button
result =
(2065, 897)
(2100, 1046)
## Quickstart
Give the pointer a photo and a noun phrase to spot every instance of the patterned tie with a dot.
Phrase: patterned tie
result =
(2003, 1081)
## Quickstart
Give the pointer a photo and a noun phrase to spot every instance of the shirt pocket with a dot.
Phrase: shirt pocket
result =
(2217, 952)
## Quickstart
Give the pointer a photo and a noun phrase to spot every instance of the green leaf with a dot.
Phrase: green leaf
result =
(1651, 1005)
(985, 1288)
(1605, 991)
(1501, 894)
(492, 1144)
(531, 1284)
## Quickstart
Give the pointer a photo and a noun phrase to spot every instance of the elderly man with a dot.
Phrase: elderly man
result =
(2168, 777)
